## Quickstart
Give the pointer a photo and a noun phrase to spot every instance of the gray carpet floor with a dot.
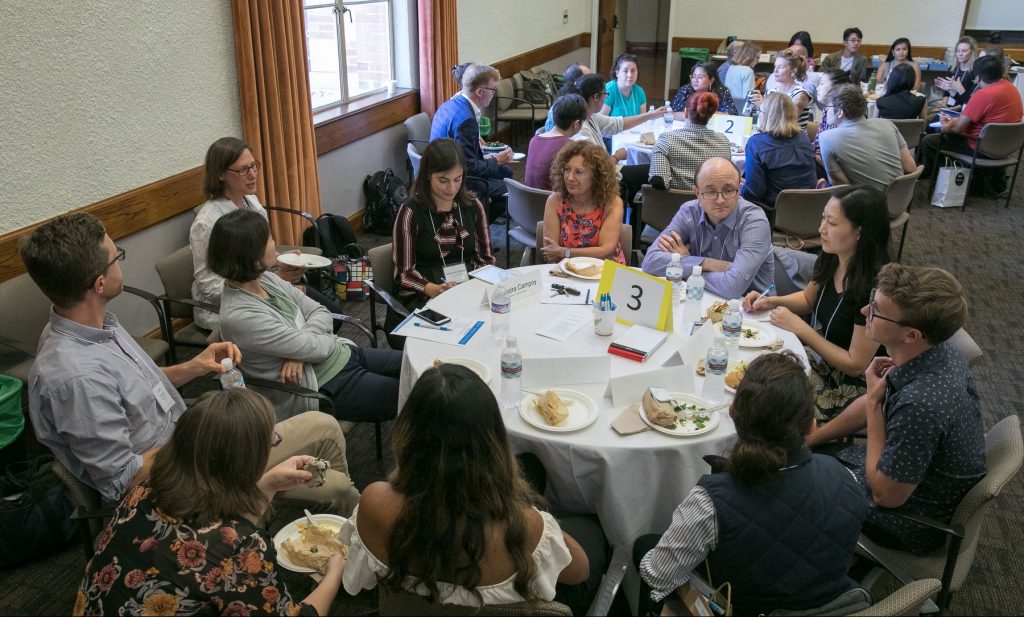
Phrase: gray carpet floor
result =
(980, 246)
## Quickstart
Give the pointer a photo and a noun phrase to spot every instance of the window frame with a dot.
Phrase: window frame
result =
(339, 29)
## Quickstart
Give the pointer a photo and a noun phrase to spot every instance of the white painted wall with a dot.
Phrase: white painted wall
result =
(493, 30)
(642, 20)
(995, 15)
(101, 97)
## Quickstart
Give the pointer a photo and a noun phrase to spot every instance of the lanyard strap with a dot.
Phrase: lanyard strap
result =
(814, 317)
(437, 237)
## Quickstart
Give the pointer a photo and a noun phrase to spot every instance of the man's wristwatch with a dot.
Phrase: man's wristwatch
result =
(568, 253)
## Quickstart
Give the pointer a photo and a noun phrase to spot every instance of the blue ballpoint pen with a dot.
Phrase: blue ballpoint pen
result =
(763, 294)
(431, 327)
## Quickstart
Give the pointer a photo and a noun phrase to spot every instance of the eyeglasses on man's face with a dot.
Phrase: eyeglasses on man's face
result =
(245, 171)
(873, 312)
(118, 257)
(728, 193)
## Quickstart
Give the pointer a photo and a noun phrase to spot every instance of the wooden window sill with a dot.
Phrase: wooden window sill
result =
(340, 126)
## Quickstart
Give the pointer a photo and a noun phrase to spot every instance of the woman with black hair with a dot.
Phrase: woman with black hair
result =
(703, 78)
(855, 245)
(900, 54)
(456, 521)
(804, 38)
(901, 101)
(623, 95)
(570, 85)
(779, 524)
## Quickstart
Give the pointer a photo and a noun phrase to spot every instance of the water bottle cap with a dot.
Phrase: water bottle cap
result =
(227, 363)
(675, 258)
(696, 269)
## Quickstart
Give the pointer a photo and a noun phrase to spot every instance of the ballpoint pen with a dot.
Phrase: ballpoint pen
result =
(763, 294)
(430, 326)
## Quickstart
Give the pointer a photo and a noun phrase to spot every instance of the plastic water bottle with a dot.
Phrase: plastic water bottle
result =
(501, 313)
(714, 371)
(674, 275)
(669, 119)
(695, 285)
(231, 377)
(732, 324)
(511, 375)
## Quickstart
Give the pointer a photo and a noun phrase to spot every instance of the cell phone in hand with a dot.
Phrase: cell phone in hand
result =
(432, 317)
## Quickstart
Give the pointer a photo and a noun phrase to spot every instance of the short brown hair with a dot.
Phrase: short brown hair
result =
(747, 54)
(604, 187)
(209, 469)
(929, 299)
(796, 62)
(478, 75)
(219, 156)
(849, 99)
(778, 116)
(65, 256)
(237, 244)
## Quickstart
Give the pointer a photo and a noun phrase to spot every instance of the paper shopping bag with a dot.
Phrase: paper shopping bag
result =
(951, 186)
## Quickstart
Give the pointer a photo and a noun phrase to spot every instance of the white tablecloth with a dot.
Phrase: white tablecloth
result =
(639, 154)
(633, 483)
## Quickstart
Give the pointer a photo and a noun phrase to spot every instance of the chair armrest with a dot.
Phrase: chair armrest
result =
(83, 515)
(353, 321)
(300, 391)
(306, 215)
(387, 298)
(955, 530)
(154, 301)
(517, 101)
(213, 308)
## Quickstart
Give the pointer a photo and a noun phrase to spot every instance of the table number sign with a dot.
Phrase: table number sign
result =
(639, 297)
(735, 128)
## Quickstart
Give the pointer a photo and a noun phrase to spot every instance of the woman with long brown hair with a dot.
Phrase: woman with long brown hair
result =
(456, 522)
(583, 214)
(186, 540)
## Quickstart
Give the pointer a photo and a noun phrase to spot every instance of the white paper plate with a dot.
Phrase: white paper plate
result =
(688, 429)
(580, 262)
(474, 365)
(518, 156)
(582, 411)
(291, 531)
(729, 369)
(765, 334)
(303, 260)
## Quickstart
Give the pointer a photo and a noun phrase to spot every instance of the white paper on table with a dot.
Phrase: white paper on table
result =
(493, 274)
(630, 388)
(696, 347)
(583, 286)
(566, 324)
(765, 315)
(459, 330)
(545, 372)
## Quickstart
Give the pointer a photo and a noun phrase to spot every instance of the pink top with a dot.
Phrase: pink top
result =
(579, 231)
(541, 153)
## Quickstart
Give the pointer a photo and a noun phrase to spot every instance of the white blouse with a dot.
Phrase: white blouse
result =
(363, 569)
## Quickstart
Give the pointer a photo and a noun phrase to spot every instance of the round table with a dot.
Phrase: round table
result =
(633, 483)
(639, 154)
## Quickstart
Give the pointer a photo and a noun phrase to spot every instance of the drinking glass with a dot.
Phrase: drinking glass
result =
(485, 126)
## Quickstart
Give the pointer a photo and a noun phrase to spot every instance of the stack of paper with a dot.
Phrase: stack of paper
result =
(638, 343)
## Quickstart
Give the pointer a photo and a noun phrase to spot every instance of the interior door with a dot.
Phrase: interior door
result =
(607, 22)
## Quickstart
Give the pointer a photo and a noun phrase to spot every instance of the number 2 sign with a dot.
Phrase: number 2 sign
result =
(640, 298)
(735, 128)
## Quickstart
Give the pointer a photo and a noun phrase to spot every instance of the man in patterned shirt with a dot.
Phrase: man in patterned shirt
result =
(728, 237)
(926, 444)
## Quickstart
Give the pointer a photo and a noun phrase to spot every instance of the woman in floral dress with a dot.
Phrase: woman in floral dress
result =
(185, 541)
(583, 215)
(854, 247)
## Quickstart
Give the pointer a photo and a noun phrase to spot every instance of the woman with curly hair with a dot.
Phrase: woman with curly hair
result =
(790, 72)
(583, 214)
(854, 247)
(456, 521)
(188, 540)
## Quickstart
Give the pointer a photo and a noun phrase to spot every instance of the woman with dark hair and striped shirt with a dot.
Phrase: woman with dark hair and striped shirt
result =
(440, 233)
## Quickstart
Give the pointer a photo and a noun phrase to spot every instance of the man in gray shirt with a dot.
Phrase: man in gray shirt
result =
(100, 403)
(859, 150)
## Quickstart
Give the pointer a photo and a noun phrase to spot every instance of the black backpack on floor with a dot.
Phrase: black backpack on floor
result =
(385, 194)
(331, 233)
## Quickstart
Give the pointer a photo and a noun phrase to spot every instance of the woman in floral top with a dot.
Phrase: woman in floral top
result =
(583, 214)
(185, 541)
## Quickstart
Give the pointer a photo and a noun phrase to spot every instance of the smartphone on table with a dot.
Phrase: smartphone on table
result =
(432, 317)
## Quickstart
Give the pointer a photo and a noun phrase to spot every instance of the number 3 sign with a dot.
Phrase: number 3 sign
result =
(640, 298)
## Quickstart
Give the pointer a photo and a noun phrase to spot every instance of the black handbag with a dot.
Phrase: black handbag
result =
(35, 512)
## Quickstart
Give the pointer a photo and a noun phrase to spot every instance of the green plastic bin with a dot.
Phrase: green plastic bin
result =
(690, 56)
(12, 421)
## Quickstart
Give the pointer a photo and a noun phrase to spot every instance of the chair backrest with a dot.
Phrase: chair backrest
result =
(906, 600)
(999, 140)
(625, 238)
(176, 274)
(965, 344)
(84, 497)
(798, 211)
(25, 311)
(660, 206)
(525, 204)
(911, 130)
(407, 603)
(417, 131)
(414, 160)
(383, 265)
(1004, 453)
(505, 91)
(900, 192)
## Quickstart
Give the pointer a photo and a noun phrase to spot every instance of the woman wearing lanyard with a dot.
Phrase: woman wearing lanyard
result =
(625, 97)
(440, 233)
(855, 245)
(960, 82)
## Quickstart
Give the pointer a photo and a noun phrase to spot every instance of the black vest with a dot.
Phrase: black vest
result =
(429, 262)
(786, 542)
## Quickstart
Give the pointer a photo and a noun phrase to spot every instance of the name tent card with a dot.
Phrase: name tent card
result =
(639, 297)
(519, 288)
(539, 373)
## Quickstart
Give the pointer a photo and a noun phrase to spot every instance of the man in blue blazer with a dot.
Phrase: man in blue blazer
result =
(458, 118)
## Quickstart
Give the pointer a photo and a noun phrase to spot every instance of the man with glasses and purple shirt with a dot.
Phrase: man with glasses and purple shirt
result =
(926, 443)
(727, 236)
(101, 404)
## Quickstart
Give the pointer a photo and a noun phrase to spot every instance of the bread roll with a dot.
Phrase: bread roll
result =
(662, 414)
(553, 409)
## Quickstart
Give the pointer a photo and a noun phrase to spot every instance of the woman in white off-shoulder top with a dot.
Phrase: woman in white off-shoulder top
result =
(456, 521)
